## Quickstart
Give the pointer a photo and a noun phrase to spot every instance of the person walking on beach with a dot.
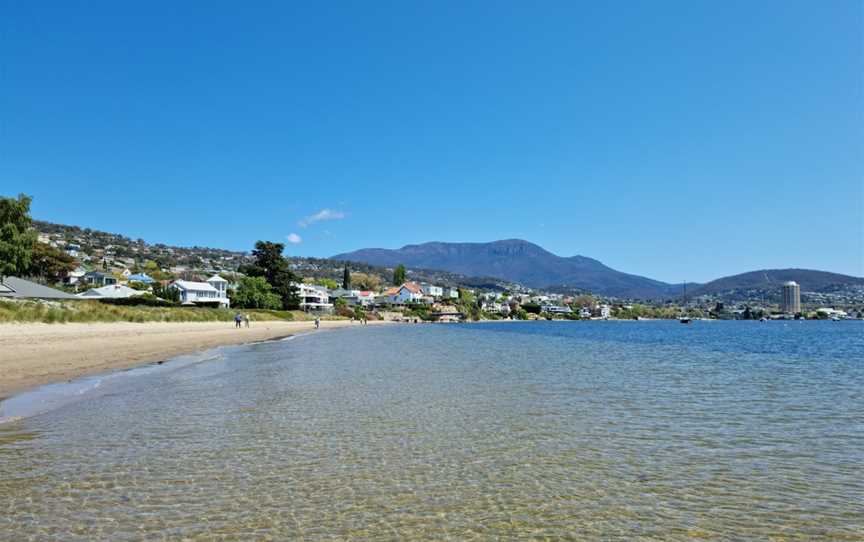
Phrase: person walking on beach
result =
(237, 319)
(317, 322)
(246, 319)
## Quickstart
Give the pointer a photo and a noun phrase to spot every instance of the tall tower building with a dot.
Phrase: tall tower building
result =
(791, 297)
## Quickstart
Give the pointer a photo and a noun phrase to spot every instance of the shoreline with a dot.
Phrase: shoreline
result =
(34, 354)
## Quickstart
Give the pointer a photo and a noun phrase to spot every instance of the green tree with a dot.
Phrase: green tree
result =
(273, 267)
(346, 278)
(49, 264)
(255, 293)
(166, 293)
(16, 236)
(399, 275)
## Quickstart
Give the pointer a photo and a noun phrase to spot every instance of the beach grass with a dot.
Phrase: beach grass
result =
(58, 312)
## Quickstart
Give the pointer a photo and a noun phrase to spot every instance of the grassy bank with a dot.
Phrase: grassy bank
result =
(93, 311)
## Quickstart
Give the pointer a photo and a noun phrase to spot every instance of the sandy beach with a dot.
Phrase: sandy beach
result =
(36, 354)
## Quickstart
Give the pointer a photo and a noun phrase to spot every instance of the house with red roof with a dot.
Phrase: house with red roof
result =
(409, 292)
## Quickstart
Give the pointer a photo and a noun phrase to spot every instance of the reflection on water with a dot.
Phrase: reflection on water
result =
(626, 431)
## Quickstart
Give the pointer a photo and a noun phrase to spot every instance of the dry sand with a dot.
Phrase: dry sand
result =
(36, 354)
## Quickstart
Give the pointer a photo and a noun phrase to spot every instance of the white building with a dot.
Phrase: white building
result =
(212, 292)
(410, 292)
(74, 276)
(791, 298)
(364, 298)
(555, 309)
(450, 293)
(432, 290)
(833, 313)
(605, 311)
(314, 298)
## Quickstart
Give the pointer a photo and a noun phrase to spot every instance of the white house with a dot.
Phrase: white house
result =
(74, 276)
(495, 307)
(112, 291)
(555, 309)
(450, 293)
(431, 290)
(364, 298)
(314, 298)
(212, 292)
(410, 292)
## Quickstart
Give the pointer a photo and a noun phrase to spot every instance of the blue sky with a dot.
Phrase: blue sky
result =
(677, 140)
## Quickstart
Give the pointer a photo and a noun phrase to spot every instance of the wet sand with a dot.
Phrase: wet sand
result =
(35, 354)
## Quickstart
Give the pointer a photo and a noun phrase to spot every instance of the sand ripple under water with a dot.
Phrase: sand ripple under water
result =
(583, 431)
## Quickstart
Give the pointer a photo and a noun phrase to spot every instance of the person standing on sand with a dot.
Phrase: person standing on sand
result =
(317, 322)
(237, 319)
(246, 319)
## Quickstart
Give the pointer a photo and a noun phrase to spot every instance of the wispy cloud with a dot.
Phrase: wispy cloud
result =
(294, 239)
(320, 216)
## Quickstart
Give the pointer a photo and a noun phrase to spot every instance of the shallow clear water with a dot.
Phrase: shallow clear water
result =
(587, 431)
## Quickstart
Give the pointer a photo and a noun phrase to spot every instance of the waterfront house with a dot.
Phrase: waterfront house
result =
(450, 292)
(14, 287)
(494, 307)
(212, 292)
(112, 291)
(605, 311)
(431, 290)
(364, 298)
(409, 292)
(314, 298)
(556, 309)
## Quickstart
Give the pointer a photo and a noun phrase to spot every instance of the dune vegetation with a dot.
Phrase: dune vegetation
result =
(51, 312)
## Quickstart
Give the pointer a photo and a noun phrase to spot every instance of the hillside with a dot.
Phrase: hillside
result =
(772, 279)
(93, 247)
(518, 261)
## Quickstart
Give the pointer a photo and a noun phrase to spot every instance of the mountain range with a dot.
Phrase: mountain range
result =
(531, 265)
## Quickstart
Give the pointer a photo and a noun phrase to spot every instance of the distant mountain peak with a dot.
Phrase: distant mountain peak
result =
(514, 260)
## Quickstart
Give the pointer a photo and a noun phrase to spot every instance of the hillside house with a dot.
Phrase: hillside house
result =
(142, 277)
(98, 278)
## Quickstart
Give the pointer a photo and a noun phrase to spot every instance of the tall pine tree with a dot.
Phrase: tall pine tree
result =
(399, 275)
(346, 278)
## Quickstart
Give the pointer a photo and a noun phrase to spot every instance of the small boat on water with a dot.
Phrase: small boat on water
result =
(685, 319)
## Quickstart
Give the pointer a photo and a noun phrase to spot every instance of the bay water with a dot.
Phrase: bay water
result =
(536, 430)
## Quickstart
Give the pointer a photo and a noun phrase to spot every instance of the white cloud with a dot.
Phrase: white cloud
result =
(320, 216)
(293, 238)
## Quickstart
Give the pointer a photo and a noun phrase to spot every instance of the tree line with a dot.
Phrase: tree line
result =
(20, 252)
